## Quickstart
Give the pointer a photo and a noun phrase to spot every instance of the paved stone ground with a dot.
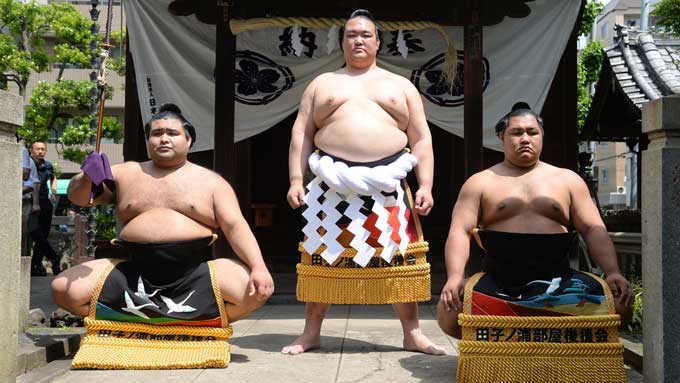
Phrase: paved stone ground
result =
(360, 344)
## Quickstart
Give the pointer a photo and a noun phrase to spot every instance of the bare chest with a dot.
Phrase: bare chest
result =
(185, 195)
(525, 197)
(374, 99)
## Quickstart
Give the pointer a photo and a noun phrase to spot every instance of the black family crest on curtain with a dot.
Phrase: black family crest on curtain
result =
(259, 80)
(428, 80)
(405, 43)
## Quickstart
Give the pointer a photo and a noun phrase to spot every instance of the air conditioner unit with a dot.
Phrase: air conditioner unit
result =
(617, 199)
(621, 189)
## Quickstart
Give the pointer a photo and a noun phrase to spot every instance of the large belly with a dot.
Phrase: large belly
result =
(163, 225)
(360, 138)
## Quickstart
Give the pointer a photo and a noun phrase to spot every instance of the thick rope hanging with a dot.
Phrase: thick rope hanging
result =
(450, 64)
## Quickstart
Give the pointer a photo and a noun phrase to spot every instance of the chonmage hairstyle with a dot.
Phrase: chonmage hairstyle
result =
(171, 111)
(519, 109)
(359, 13)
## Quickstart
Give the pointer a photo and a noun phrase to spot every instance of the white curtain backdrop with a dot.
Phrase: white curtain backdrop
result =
(175, 58)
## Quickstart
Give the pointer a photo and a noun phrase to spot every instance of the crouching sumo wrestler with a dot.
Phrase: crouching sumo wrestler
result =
(529, 316)
(169, 304)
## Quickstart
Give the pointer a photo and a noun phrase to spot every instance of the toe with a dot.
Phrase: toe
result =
(436, 350)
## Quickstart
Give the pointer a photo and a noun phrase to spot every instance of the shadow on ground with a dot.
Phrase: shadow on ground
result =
(329, 344)
(238, 358)
(430, 369)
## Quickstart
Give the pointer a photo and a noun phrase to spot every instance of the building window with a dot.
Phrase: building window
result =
(604, 32)
(605, 176)
(631, 20)
(55, 133)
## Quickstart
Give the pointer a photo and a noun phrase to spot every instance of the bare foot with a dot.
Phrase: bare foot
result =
(416, 341)
(301, 344)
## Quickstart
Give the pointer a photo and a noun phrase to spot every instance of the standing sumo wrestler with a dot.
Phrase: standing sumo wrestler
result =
(363, 243)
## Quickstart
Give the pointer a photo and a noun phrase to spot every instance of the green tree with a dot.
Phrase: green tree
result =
(590, 13)
(119, 39)
(589, 61)
(24, 26)
(587, 72)
(63, 104)
(668, 14)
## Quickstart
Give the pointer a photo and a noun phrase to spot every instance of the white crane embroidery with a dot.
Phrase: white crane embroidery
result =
(178, 307)
(131, 308)
(553, 285)
(141, 292)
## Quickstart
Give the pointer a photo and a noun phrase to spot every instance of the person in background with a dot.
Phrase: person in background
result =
(30, 205)
(46, 200)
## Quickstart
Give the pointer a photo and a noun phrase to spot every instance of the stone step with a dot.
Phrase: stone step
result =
(42, 345)
(632, 352)
(46, 373)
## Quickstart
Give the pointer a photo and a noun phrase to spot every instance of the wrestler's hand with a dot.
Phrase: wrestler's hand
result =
(424, 201)
(261, 284)
(96, 166)
(296, 195)
(620, 288)
(452, 294)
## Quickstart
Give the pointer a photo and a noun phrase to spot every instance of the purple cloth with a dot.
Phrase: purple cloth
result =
(96, 166)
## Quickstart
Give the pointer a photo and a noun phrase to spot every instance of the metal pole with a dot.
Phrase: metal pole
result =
(644, 15)
(94, 109)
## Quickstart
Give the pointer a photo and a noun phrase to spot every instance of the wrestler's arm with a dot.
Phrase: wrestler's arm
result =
(588, 223)
(420, 141)
(301, 145)
(80, 186)
(240, 238)
(457, 250)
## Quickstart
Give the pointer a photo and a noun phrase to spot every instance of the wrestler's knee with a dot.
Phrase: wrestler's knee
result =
(72, 288)
(254, 302)
(59, 289)
(62, 290)
(448, 320)
(233, 278)
(238, 309)
(64, 297)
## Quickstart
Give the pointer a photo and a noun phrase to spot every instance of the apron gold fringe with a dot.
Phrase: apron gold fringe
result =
(540, 362)
(410, 283)
(102, 349)
(484, 361)
(108, 352)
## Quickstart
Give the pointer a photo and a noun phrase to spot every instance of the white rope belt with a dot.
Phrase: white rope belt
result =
(348, 183)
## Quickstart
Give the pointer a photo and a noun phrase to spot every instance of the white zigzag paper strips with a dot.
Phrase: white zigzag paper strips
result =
(348, 184)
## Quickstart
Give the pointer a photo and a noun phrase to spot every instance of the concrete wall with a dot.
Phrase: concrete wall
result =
(11, 116)
(661, 239)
